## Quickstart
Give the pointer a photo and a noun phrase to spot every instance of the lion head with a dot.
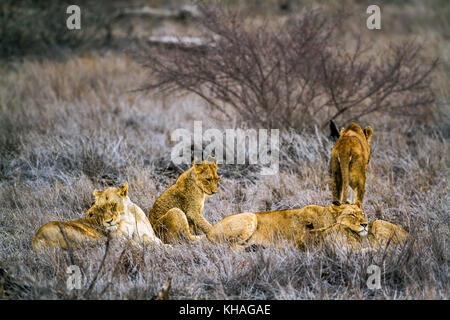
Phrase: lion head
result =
(349, 229)
(111, 194)
(206, 176)
(354, 219)
(106, 215)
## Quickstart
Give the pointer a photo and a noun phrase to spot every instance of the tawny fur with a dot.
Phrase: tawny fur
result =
(384, 231)
(93, 229)
(177, 213)
(355, 233)
(275, 227)
(134, 224)
(350, 157)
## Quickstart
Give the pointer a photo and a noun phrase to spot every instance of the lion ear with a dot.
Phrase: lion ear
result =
(213, 157)
(368, 131)
(198, 167)
(124, 190)
(214, 163)
(336, 209)
(97, 193)
(358, 204)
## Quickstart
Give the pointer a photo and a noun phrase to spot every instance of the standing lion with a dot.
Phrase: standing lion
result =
(350, 157)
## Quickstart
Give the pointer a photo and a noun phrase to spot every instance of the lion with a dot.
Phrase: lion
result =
(134, 224)
(350, 157)
(349, 230)
(268, 228)
(384, 232)
(177, 213)
(354, 233)
(99, 221)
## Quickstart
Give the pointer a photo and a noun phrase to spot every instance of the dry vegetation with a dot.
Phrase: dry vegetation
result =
(70, 125)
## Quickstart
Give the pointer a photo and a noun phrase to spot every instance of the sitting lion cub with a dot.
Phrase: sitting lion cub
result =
(350, 157)
(355, 233)
(93, 229)
(177, 213)
(268, 228)
(134, 223)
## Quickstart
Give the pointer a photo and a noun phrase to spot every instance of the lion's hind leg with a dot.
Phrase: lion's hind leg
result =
(357, 184)
(48, 235)
(173, 226)
(235, 230)
(336, 180)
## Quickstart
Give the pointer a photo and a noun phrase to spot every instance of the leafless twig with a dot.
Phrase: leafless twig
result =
(94, 280)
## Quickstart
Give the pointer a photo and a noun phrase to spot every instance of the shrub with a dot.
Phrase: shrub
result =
(294, 74)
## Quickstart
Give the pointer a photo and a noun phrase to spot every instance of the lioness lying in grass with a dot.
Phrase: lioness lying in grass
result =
(269, 228)
(93, 229)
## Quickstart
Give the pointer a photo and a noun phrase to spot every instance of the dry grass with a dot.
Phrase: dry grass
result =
(69, 126)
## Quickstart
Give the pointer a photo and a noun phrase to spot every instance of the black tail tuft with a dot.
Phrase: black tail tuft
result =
(334, 132)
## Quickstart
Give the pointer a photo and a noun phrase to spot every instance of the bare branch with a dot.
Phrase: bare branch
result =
(297, 74)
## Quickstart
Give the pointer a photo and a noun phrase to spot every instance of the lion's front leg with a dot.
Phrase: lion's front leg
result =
(195, 218)
(358, 182)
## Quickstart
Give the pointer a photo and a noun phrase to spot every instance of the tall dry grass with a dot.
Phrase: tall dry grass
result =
(69, 126)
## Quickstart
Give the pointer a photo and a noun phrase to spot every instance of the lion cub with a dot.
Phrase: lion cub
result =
(177, 213)
(269, 228)
(134, 224)
(350, 157)
(93, 229)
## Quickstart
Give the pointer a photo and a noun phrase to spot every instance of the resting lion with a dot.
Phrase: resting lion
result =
(177, 213)
(384, 231)
(134, 224)
(354, 232)
(93, 229)
(268, 228)
(350, 157)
